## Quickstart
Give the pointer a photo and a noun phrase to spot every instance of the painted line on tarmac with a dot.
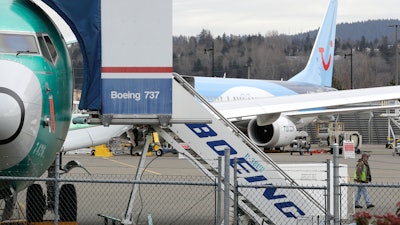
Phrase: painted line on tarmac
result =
(132, 166)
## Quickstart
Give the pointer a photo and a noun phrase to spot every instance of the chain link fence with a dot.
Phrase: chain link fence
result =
(164, 200)
(178, 200)
(384, 197)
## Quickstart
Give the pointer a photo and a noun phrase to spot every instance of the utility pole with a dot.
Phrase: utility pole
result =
(396, 54)
(212, 57)
(351, 66)
(248, 71)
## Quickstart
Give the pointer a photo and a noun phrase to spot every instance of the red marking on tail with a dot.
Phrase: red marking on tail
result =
(326, 65)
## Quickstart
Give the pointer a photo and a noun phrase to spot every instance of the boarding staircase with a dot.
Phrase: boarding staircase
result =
(208, 134)
(207, 142)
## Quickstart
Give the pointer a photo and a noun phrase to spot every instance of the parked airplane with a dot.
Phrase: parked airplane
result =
(81, 135)
(36, 100)
(235, 98)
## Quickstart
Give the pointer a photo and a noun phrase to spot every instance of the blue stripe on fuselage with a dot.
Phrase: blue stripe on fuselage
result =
(210, 86)
(214, 86)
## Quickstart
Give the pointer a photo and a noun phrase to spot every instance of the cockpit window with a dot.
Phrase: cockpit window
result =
(43, 47)
(51, 47)
(47, 47)
(18, 43)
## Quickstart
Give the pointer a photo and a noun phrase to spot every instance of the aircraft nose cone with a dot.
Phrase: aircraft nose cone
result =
(20, 112)
(12, 115)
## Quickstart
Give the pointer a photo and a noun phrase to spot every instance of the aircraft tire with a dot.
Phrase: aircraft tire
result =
(35, 203)
(68, 203)
(159, 152)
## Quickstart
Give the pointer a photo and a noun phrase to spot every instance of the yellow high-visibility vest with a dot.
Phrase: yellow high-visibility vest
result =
(363, 176)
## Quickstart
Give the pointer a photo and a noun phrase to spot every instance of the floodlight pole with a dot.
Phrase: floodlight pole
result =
(396, 54)
(351, 66)
(212, 57)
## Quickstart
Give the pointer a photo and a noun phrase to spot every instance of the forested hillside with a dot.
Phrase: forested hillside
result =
(371, 30)
(278, 56)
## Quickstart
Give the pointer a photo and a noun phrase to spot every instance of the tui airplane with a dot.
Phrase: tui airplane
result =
(263, 109)
(36, 105)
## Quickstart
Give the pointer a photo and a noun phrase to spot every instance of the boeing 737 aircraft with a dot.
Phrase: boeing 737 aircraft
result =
(236, 99)
(36, 104)
(277, 130)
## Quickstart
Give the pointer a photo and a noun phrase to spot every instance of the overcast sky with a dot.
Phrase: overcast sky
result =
(263, 16)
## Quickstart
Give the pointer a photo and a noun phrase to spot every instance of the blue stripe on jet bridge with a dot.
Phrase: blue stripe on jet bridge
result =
(214, 86)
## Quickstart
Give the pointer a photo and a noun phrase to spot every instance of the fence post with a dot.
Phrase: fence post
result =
(336, 195)
(219, 190)
(56, 188)
(226, 184)
(236, 194)
(328, 191)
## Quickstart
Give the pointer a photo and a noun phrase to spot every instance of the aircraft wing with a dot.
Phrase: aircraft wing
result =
(272, 105)
(340, 110)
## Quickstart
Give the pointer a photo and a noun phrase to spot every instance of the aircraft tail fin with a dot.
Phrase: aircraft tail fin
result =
(319, 68)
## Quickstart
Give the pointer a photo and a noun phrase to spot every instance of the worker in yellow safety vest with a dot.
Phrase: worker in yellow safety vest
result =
(362, 174)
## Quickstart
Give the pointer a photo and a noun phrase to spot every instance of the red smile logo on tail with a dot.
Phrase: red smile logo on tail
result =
(326, 65)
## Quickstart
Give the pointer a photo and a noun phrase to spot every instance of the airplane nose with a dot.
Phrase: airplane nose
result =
(20, 112)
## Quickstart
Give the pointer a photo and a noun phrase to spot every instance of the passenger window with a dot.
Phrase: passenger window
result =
(18, 43)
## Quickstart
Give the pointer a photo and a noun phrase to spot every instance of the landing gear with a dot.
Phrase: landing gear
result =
(35, 203)
(10, 198)
(68, 203)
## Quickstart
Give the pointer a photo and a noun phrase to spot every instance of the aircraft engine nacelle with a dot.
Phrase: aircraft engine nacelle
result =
(279, 133)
